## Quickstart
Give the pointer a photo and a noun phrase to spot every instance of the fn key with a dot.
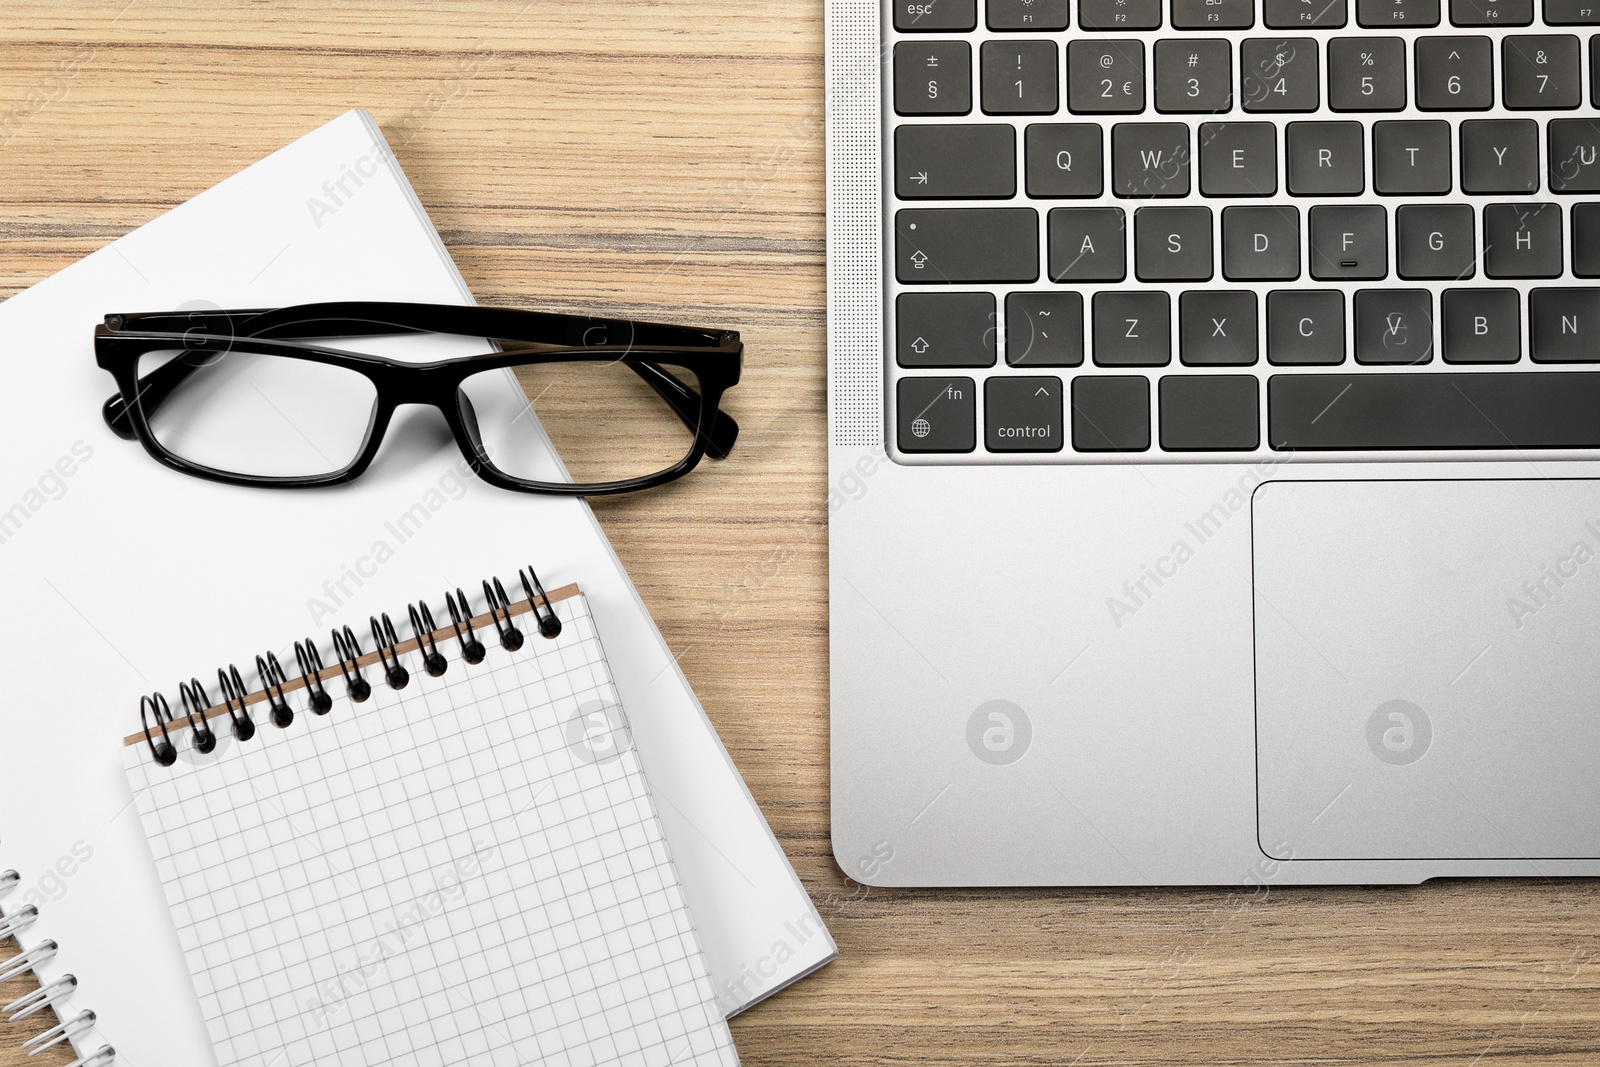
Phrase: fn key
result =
(937, 414)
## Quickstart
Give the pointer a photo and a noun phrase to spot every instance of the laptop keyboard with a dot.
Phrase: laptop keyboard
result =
(1192, 229)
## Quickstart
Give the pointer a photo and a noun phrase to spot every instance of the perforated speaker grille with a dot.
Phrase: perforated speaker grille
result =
(855, 233)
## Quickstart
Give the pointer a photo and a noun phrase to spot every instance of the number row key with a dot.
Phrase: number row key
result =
(1195, 76)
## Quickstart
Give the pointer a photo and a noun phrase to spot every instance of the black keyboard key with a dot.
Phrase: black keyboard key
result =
(1023, 415)
(944, 245)
(935, 16)
(1455, 73)
(1473, 409)
(1213, 14)
(1132, 329)
(1110, 414)
(1541, 72)
(1105, 77)
(1304, 14)
(1238, 159)
(1260, 243)
(1172, 244)
(971, 162)
(1326, 158)
(1119, 14)
(1064, 159)
(1383, 14)
(1194, 76)
(1522, 241)
(1305, 327)
(1367, 74)
(1566, 327)
(933, 77)
(1481, 326)
(1088, 244)
(1435, 241)
(937, 414)
(1217, 328)
(1574, 155)
(1019, 77)
(1411, 156)
(1150, 159)
(1027, 14)
(1586, 240)
(1044, 329)
(1394, 326)
(1279, 74)
(1349, 242)
(1499, 156)
(1210, 413)
(1572, 12)
(945, 330)
(1491, 12)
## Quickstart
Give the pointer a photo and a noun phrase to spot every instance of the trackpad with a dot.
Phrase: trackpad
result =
(1428, 669)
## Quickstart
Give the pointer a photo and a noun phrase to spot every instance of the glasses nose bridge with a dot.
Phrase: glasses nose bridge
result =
(411, 387)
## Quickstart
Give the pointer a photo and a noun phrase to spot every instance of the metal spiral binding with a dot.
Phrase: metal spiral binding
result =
(270, 671)
(310, 661)
(500, 611)
(422, 625)
(157, 716)
(50, 994)
(383, 636)
(471, 648)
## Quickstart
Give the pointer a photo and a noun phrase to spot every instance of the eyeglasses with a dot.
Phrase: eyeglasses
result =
(567, 404)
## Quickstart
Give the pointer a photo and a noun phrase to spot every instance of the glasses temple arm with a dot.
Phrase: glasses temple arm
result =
(724, 431)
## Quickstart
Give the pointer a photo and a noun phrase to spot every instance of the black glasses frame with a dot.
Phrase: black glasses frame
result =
(712, 358)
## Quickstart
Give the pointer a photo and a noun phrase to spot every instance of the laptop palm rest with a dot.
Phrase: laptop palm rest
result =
(1428, 669)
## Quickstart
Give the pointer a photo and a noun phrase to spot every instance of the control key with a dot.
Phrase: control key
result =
(1023, 414)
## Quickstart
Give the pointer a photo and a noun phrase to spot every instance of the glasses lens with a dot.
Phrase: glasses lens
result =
(260, 415)
(603, 419)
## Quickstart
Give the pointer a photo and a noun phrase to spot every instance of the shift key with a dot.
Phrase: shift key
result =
(937, 246)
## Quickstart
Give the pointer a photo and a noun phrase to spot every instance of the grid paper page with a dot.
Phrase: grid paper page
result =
(461, 872)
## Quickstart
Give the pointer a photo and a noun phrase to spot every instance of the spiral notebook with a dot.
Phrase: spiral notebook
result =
(424, 851)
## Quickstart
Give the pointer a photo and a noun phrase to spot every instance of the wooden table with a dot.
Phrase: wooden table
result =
(664, 159)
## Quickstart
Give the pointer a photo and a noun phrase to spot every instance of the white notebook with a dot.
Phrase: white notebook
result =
(105, 555)
(461, 868)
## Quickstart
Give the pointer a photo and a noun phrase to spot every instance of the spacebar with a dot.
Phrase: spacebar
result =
(1366, 412)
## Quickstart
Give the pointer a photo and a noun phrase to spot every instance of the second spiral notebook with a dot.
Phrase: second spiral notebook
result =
(434, 845)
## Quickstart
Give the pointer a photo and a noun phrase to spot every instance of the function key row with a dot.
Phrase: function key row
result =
(1222, 328)
(1240, 159)
(1196, 76)
(959, 16)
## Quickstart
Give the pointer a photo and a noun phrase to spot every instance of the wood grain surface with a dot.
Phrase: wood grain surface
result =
(664, 159)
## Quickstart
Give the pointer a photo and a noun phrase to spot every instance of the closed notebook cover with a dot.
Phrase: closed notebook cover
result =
(123, 577)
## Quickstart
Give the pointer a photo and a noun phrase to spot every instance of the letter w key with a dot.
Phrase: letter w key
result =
(1150, 159)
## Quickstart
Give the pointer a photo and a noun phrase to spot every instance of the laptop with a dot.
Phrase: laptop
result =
(1214, 410)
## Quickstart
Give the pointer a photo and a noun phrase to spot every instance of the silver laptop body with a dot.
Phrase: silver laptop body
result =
(1332, 620)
